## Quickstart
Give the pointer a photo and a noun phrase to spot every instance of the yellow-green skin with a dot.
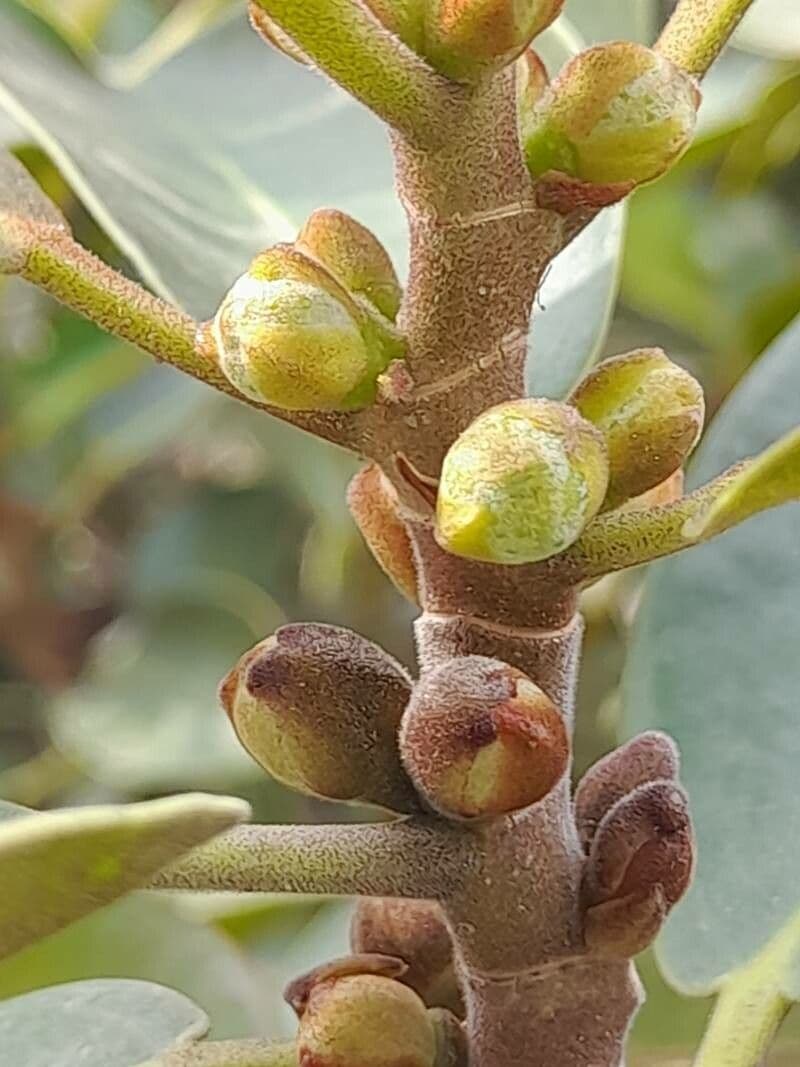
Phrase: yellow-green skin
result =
(619, 112)
(365, 1021)
(651, 413)
(521, 483)
(290, 343)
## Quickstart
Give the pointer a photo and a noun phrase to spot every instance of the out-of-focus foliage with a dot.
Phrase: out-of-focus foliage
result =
(150, 530)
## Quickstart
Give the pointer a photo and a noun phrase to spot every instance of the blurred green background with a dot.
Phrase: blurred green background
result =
(151, 530)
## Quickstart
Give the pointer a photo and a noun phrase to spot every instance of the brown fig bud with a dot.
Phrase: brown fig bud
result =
(357, 258)
(625, 926)
(644, 840)
(415, 932)
(650, 757)
(373, 504)
(480, 739)
(466, 38)
(666, 492)
(366, 1019)
(319, 708)
(651, 413)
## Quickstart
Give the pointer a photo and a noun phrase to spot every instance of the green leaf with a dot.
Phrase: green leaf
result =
(614, 20)
(771, 28)
(147, 936)
(104, 1023)
(191, 205)
(57, 866)
(714, 662)
(144, 715)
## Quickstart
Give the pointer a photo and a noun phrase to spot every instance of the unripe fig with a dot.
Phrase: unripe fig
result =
(319, 708)
(415, 932)
(362, 1020)
(521, 483)
(480, 739)
(373, 504)
(289, 334)
(355, 256)
(466, 38)
(616, 113)
(651, 413)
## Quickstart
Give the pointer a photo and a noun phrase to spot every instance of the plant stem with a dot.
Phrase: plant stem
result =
(352, 47)
(698, 30)
(228, 1054)
(415, 858)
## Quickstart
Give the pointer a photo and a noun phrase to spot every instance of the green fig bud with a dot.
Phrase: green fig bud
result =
(373, 504)
(466, 38)
(404, 18)
(651, 413)
(480, 739)
(616, 113)
(415, 932)
(350, 1019)
(521, 483)
(319, 707)
(355, 256)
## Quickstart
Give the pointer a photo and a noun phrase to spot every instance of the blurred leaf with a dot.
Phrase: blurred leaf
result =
(78, 21)
(146, 937)
(111, 1023)
(191, 206)
(614, 20)
(771, 27)
(58, 866)
(586, 275)
(144, 715)
(714, 662)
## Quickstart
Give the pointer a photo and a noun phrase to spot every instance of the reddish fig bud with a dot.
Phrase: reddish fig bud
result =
(650, 757)
(268, 31)
(625, 926)
(644, 841)
(480, 739)
(415, 932)
(404, 18)
(367, 1019)
(466, 38)
(319, 708)
(666, 492)
(651, 413)
(373, 505)
(521, 483)
(355, 256)
(617, 114)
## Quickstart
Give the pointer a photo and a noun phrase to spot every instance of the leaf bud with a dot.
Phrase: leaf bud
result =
(415, 932)
(373, 504)
(466, 38)
(617, 113)
(521, 483)
(651, 413)
(319, 708)
(480, 739)
(354, 1013)
(650, 757)
(290, 335)
(355, 256)
(641, 859)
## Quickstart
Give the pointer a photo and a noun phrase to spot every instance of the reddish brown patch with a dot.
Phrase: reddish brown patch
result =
(562, 193)
(425, 487)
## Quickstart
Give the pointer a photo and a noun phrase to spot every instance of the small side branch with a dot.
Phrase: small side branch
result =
(418, 859)
(354, 49)
(46, 254)
(698, 31)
